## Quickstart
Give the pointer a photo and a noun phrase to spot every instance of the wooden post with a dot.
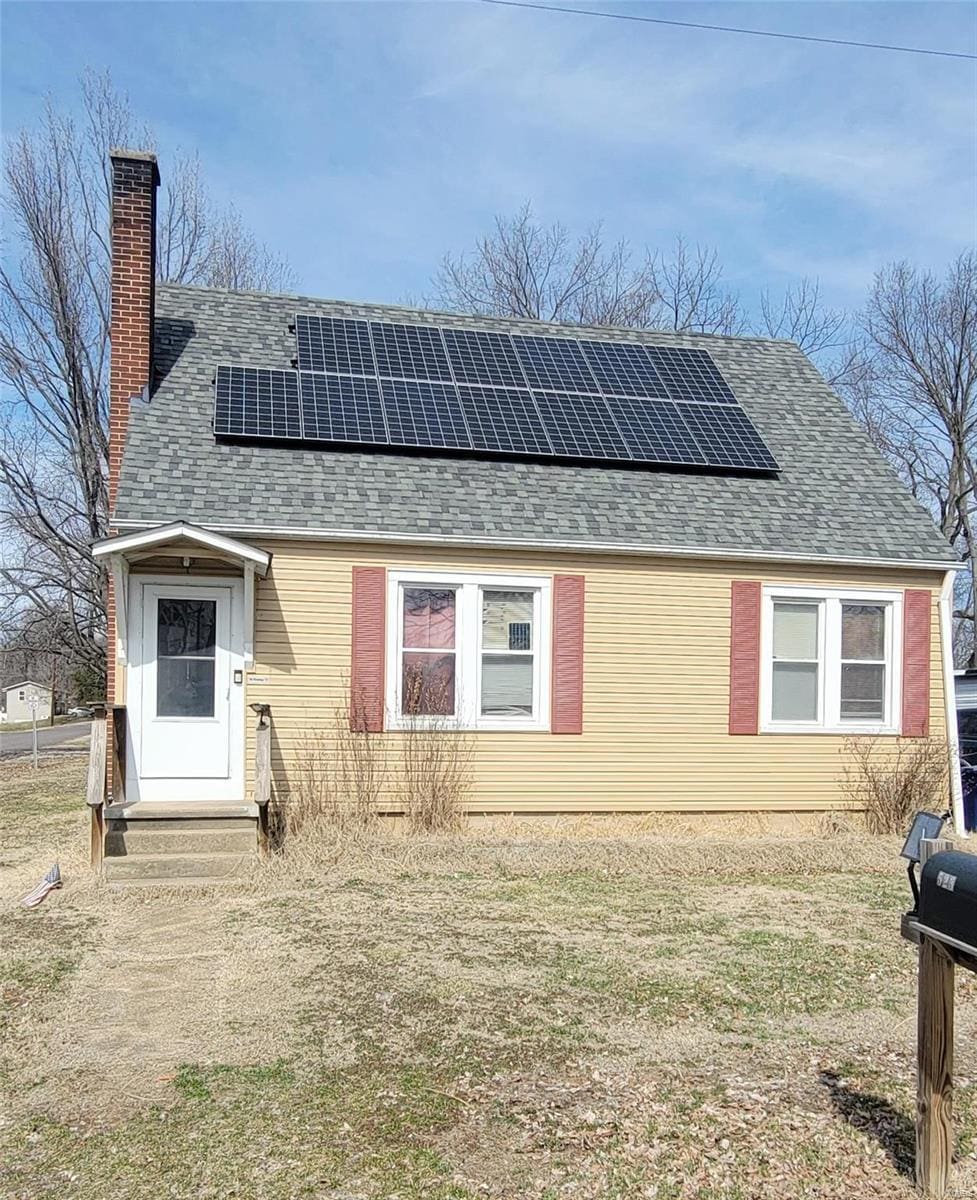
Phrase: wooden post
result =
(934, 1095)
(119, 738)
(934, 1056)
(95, 791)
(262, 773)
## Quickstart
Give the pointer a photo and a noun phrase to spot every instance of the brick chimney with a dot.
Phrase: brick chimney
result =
(135, 178)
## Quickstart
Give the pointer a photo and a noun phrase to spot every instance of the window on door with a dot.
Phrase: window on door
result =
(186, 657)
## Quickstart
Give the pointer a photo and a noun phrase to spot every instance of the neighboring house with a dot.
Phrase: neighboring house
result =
(648, 571)
(17, 701)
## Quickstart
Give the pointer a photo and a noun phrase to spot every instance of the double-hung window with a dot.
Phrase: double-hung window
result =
(468, 651)
(831, 660)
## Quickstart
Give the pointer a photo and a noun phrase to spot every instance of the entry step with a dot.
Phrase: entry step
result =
(163, 810)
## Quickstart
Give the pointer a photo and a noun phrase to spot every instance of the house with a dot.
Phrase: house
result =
(684, 606)
(17, 701)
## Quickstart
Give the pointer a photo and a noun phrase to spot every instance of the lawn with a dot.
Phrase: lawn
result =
(462, 1018)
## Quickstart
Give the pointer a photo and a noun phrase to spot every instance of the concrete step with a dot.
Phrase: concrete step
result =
(194, 810)
(178, 868)
(155, 837)
(124, 824)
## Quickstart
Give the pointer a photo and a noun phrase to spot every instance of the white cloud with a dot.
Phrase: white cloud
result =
(889, 139)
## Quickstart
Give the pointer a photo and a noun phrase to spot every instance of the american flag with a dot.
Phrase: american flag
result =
(48, 884)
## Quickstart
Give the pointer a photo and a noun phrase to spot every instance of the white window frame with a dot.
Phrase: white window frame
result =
(830, 601)
(468, 648)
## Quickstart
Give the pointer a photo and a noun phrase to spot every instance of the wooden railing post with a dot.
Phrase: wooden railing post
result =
(119, 743)
(262, 772)
(95, 791)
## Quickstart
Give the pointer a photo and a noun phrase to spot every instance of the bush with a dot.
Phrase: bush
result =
(339, 776)
(891, 779)
(437, 757)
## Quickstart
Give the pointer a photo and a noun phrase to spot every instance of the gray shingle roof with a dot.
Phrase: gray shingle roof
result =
(835, 496)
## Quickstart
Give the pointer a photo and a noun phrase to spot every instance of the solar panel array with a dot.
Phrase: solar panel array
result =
(378, 383)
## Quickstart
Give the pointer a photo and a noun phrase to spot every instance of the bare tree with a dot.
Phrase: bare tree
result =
(525, 269)
(823, 333)
(916, 393)
(54, 342)
(691, 295)
(35, 646)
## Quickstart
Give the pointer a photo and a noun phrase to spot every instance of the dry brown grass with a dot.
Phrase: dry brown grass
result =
(578, 846)
(461, 1017)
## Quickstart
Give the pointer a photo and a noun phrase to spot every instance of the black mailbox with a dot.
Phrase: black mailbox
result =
(948, 899)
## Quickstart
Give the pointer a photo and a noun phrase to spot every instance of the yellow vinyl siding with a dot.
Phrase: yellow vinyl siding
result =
(656, 682)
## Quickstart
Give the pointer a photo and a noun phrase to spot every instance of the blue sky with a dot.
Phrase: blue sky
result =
(364, 139)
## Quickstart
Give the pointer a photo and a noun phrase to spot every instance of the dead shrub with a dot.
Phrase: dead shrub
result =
(891, 779)
(339, 774)
(437, 755)
(309, 795)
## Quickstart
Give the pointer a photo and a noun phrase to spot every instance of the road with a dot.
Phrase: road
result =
(47, 735)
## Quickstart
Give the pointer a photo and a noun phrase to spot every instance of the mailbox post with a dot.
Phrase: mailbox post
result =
(944, 926)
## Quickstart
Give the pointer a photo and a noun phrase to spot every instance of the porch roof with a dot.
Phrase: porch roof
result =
(148, 541)
(174, 539)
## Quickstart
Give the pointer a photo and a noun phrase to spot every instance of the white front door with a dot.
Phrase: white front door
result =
(185, 695)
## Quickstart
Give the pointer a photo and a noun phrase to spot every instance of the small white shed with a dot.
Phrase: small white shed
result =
(17, 701)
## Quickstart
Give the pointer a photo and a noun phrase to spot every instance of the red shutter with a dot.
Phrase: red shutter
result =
(917, 609)
(744, 657)
(366, 683)
(567, 682)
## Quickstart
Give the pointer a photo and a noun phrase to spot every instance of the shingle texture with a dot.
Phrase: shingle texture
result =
(834, 496)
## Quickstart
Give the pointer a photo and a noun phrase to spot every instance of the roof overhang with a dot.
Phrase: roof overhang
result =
(322, 533)
(164, 538)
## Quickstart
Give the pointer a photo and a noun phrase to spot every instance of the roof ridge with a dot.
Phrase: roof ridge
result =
(559, 327)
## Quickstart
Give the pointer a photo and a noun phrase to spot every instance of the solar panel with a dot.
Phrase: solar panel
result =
(487, 358)
(623, 370)
(337, 408)
(380, 383)
(655, 431)
(726, 436)
(422, 412)
(690, 375)
(504, 420)
(555, 364)
(331, 344)
(254, 402)
(409, 352)
(580, 426)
